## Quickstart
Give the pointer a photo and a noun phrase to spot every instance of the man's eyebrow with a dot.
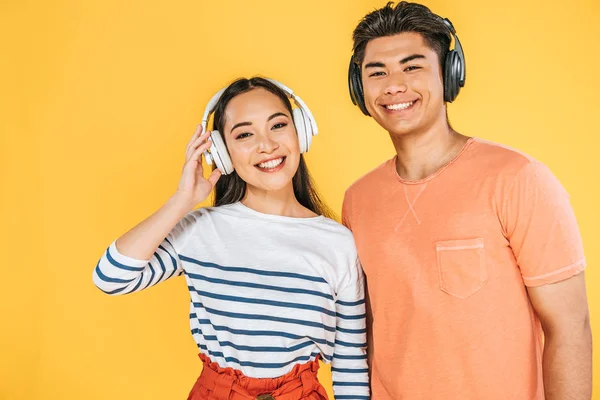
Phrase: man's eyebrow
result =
(411, 57)
(375, 64)
(379, 64)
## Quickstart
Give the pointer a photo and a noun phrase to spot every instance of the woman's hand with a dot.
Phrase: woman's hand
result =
(193, 187)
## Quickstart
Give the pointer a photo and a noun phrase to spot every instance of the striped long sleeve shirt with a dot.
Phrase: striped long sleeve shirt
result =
(266, 292)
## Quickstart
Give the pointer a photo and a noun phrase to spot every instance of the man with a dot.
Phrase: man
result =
(472, 254)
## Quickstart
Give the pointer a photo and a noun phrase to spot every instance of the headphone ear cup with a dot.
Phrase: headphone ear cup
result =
(309, 129)
(355, 87)
(219, 153)
(304, 136)
(361, 95)
(452, 71)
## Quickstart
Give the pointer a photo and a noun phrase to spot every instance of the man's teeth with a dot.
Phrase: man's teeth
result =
(399, 106)
(271, 164)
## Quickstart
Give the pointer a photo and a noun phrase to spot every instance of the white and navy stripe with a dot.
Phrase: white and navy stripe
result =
(258, 304)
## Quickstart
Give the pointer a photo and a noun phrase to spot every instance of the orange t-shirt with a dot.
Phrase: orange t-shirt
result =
(447, 261)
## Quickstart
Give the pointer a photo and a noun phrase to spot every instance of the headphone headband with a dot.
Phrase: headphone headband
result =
(448, 23)
(298, 101)
(212, 103)
(210, 107)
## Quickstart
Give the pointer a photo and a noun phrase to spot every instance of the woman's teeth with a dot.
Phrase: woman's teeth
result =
(271, 164)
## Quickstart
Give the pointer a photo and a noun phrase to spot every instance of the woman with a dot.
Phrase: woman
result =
(274, 284)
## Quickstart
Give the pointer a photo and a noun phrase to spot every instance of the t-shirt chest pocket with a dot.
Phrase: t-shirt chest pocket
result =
(461, 266)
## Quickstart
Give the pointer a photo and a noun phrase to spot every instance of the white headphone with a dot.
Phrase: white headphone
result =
(306, 127)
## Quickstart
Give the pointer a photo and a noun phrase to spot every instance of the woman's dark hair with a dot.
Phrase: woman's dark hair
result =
(404, 17)
(231, 188)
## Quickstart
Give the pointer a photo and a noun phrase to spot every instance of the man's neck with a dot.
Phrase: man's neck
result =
(421, 154)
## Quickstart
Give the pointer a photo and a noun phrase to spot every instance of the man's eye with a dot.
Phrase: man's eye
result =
(412, 68)
(378, 73)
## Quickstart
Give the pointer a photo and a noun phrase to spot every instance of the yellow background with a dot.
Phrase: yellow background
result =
(98, 100)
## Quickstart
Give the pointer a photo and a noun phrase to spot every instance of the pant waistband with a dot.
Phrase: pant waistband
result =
(230, 384)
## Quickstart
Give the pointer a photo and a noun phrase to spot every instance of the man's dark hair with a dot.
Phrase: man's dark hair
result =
(404, 17)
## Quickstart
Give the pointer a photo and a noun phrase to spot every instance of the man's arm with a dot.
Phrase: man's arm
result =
(563, 312)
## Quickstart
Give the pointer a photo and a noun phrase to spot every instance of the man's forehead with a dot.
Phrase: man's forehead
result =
(400, 45)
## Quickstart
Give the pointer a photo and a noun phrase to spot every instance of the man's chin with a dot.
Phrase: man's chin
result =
(400, 129)
(395, 127)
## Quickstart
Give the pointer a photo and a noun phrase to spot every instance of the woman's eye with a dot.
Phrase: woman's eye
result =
(243, 135)
(412, 68)
(279, 125)
(378, 73)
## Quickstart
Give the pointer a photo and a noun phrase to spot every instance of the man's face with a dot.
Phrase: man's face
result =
(403, 83)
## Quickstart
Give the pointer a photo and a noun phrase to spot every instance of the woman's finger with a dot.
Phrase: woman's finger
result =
(197, 142)
(199, 150)
(214, 176)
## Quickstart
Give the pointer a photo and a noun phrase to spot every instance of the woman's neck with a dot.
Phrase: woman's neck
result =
(276, 202)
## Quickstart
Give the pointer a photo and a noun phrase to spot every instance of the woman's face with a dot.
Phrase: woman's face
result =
(262, 140)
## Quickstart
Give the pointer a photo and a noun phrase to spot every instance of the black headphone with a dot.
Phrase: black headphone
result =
(454, 74)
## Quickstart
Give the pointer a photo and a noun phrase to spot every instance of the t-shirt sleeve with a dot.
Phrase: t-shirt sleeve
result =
(118, 274)
(349, 369)
(541, 227)
(346, 210)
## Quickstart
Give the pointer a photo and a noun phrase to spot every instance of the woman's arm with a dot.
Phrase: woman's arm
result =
(146, 254)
